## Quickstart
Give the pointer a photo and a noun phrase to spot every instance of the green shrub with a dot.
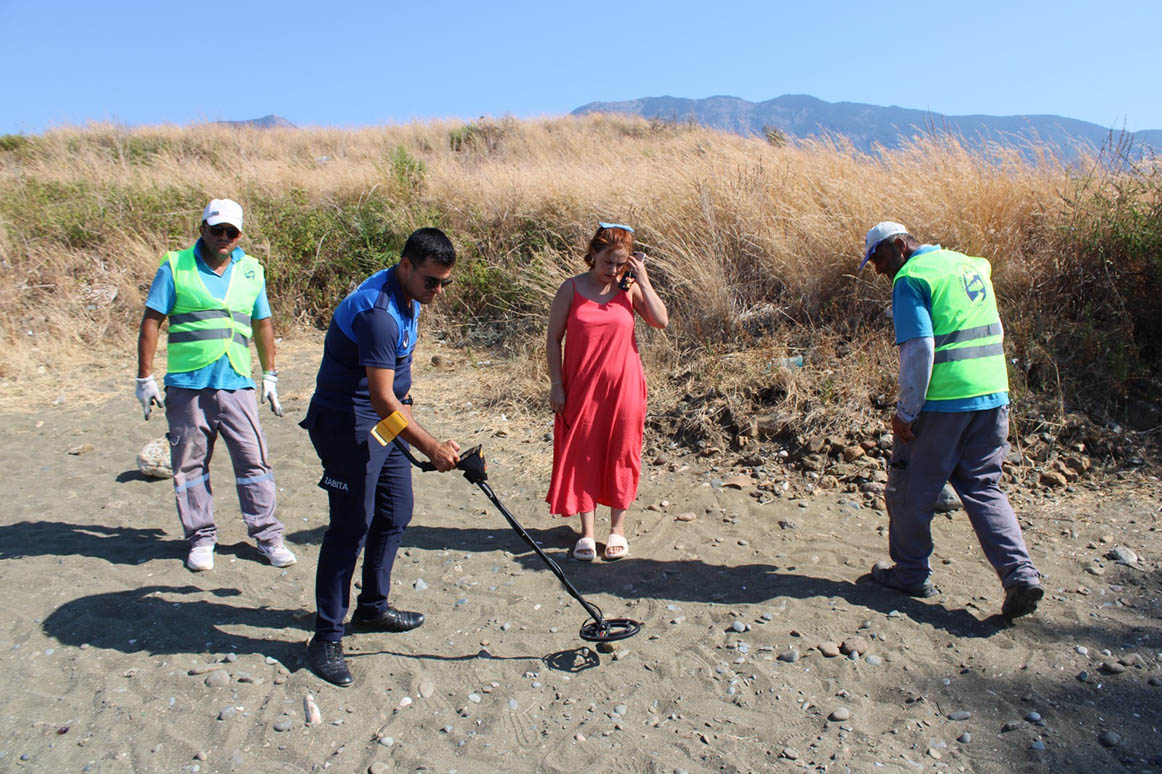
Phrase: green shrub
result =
(14, 142)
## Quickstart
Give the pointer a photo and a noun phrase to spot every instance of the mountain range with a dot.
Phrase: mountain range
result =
(871, 126)
(266, 122)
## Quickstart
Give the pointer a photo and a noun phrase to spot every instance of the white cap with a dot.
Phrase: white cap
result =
(223, 211)
(878, 233)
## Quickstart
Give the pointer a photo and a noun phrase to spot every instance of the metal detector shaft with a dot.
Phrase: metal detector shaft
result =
(599, 629)
(594, 613)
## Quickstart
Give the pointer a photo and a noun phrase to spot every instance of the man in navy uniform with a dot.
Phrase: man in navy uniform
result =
(366, 376)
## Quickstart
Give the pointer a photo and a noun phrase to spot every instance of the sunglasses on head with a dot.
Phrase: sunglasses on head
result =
(615, 225)
(221, 229)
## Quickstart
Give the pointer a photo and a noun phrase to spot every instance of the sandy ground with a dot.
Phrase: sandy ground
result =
(104, 624)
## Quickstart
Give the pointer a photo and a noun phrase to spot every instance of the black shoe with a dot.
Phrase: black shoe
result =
(886, 576)
(326, 658)
(1021, 600)
(390, 620)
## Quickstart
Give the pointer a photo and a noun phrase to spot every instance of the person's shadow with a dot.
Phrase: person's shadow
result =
(171, 620)
(116, 545)
(694, 580)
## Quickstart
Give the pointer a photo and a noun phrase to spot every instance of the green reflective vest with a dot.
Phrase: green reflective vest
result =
(203, 328)
(970, 356)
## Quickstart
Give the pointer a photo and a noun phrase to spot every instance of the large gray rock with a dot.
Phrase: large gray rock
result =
(948, 500)
(153, 459)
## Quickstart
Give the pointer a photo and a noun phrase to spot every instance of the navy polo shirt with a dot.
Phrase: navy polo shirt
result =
(374, 326)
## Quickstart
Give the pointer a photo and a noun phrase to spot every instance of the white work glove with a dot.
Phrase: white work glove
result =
(148, 394)
(270, 391)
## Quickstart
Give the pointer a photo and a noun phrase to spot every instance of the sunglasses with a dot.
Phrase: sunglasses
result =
(431, 283)
(220, 229)
(615, 225)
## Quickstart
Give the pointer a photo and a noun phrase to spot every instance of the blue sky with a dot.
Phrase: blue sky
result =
(361, 63)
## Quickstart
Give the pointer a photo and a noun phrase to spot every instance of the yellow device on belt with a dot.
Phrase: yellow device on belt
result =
(388, 428)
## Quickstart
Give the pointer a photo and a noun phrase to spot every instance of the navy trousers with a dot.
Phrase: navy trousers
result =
(369, 489)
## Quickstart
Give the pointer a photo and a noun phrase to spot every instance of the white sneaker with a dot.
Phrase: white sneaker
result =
(278, 554)
(201, 558)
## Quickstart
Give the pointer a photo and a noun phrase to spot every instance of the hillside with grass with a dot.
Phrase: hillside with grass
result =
(753, 245)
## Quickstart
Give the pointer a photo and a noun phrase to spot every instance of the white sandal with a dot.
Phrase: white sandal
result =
(616, 541)
(585, 550)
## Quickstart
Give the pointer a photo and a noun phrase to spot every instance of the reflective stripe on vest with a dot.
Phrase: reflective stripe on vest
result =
(970, 357)
(203, 328)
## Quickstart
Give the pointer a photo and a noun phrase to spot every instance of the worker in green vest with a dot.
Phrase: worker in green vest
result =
(951, 423)
(214, 295)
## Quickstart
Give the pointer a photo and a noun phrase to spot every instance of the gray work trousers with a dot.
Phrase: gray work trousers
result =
(196, 418)
(965, 449)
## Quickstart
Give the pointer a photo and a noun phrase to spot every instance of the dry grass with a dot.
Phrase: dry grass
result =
(753, 246)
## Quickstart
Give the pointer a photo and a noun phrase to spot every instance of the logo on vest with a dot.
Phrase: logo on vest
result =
(975, 287)
(407, 338)
(338, 486)
(250, 274)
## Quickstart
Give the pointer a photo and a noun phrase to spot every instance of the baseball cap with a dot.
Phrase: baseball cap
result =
(223, 211)
(878, 233)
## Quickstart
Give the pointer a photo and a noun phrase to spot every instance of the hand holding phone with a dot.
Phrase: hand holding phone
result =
(626, 276)
(629, 274)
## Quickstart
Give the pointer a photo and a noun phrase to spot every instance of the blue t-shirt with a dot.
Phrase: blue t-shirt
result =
(375, 326)
(912, 318)
(219, 375)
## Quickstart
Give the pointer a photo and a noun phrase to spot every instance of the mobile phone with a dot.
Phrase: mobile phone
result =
(625, 278)
(628, 275)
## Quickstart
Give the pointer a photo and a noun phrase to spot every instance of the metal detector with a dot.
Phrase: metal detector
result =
(472, 464)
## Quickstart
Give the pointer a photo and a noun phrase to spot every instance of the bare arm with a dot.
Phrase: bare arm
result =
(380, 385)
(558, 317)
(147, 338)
(264, 343)
(643, 297)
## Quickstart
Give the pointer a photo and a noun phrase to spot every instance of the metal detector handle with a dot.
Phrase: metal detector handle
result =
(388, 430)
(426, 466)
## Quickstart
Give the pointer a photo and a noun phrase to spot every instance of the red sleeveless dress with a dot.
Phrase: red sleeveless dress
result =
(597, 439)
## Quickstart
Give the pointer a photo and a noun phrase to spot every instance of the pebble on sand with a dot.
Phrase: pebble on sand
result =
(839, 714)
(959, 715)
(829, 649)
(204, 669)
(311, 711)
(791, 656)
(1109, 739)
(854, 645)
(220, 678)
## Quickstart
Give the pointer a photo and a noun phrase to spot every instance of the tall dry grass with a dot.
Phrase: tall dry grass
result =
(754, 247)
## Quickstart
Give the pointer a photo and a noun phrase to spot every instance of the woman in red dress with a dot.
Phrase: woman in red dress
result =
(598, 389)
